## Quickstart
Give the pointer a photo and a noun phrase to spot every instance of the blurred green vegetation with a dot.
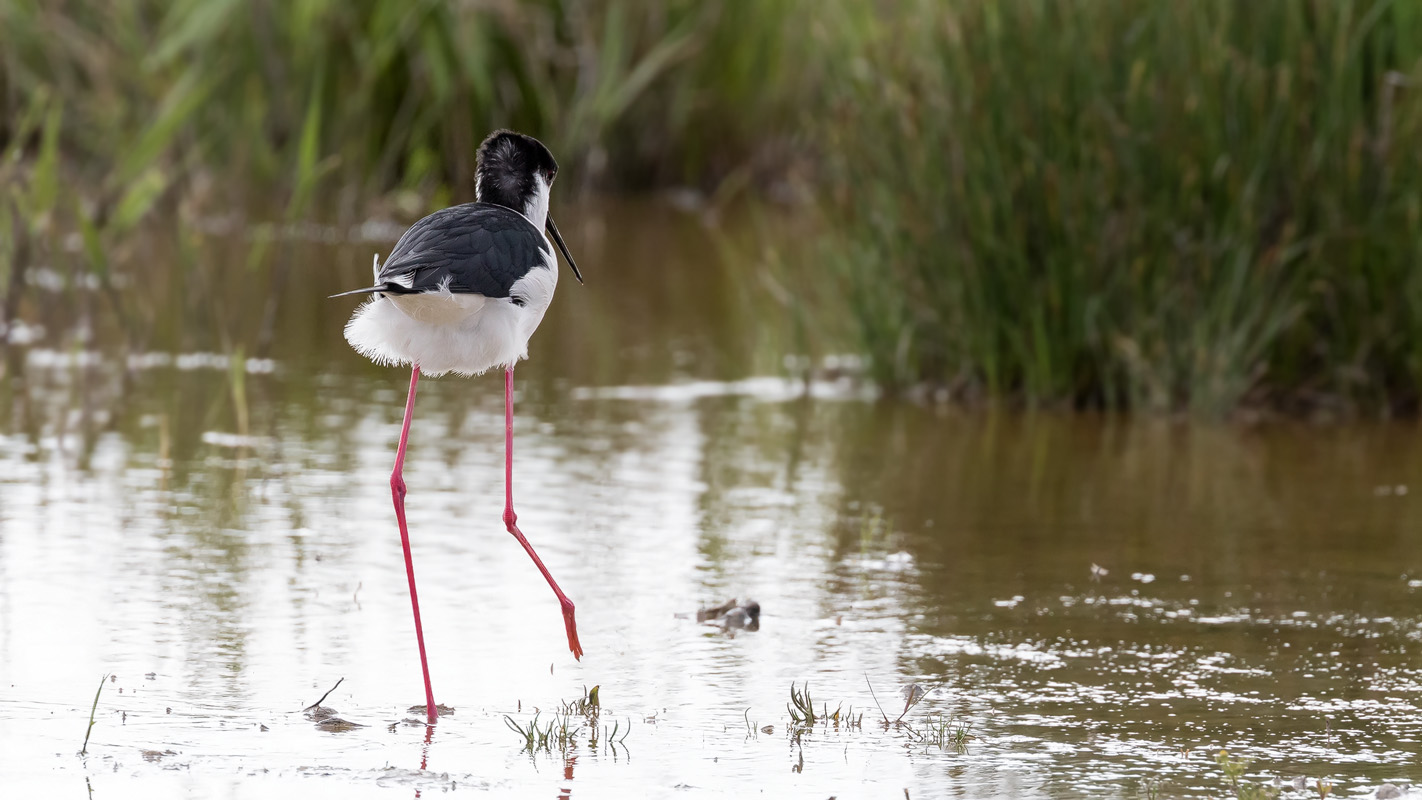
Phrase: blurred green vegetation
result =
(1172, 206)
(1105, 203)
(398, 93)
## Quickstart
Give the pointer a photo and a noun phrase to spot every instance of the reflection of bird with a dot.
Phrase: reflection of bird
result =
(462, 292)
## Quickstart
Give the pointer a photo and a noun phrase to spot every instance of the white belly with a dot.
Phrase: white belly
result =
(439, 308)
(445, 332)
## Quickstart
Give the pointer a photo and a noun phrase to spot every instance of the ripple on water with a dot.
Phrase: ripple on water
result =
(248, 571)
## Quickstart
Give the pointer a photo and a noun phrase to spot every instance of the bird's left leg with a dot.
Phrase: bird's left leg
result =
(511, 519)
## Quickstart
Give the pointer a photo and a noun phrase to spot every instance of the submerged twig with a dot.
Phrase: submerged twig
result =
(913, 695)
(324, 696)
(876, 698)
(85, 749)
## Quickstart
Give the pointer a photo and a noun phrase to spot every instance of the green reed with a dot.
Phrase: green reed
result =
(92, 711)
(193, 111)
(1115, 204)
(562, 732)
(1145, 205)
(389, 94)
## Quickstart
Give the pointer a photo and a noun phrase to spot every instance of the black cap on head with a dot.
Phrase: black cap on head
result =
(507, 162)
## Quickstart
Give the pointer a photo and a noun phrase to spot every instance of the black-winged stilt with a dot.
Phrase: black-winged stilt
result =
(462, 292)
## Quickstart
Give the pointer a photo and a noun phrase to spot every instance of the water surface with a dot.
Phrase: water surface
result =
(220, 540)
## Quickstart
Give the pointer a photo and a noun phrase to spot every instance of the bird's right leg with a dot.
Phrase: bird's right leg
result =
(511, 521)
(397, 492)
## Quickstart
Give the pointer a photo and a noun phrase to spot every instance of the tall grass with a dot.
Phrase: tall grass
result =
(399, 93)
(1104, 203)
(209, 109)
(1148, 205)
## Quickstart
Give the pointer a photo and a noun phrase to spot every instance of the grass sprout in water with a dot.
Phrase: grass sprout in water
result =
(754, 729)
(85, 749)
(1234, 770)
(943, 730)
(586, 706)
(561, 733)
(801, 706)
(803, 714)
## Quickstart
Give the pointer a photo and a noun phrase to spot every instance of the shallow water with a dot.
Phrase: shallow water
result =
(226, 550)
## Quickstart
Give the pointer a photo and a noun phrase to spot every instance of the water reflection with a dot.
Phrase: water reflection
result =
(228, 531)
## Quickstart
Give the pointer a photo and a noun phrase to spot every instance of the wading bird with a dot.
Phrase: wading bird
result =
(462, 292)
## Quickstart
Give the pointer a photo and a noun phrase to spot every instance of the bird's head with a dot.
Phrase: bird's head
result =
(517, 171)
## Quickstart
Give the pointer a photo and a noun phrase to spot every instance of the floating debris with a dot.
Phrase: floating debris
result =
(715, 612)
(338, 725)
(745, 617)
(396, 776)
(320, 713)
(732, 615)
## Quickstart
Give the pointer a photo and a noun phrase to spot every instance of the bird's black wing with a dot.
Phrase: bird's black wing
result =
(475, 248)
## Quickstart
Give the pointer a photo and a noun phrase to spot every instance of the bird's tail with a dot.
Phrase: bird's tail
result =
(375, 271)
(367, 290)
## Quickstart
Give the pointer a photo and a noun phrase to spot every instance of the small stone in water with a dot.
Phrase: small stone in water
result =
(338, 725)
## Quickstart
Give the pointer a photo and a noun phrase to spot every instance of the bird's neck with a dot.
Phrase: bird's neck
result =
(536, 206)
(530, 200)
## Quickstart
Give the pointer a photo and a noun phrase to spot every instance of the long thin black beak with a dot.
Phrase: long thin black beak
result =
(558, 240)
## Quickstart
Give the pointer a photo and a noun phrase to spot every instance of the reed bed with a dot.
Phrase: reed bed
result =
(1110, 204)
(1167, 206)
(387, 94)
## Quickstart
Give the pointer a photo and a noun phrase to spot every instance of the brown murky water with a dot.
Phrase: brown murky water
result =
(222, 542)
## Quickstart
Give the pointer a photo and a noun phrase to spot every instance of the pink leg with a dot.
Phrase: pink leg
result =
(511, 519)
(397, 491)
